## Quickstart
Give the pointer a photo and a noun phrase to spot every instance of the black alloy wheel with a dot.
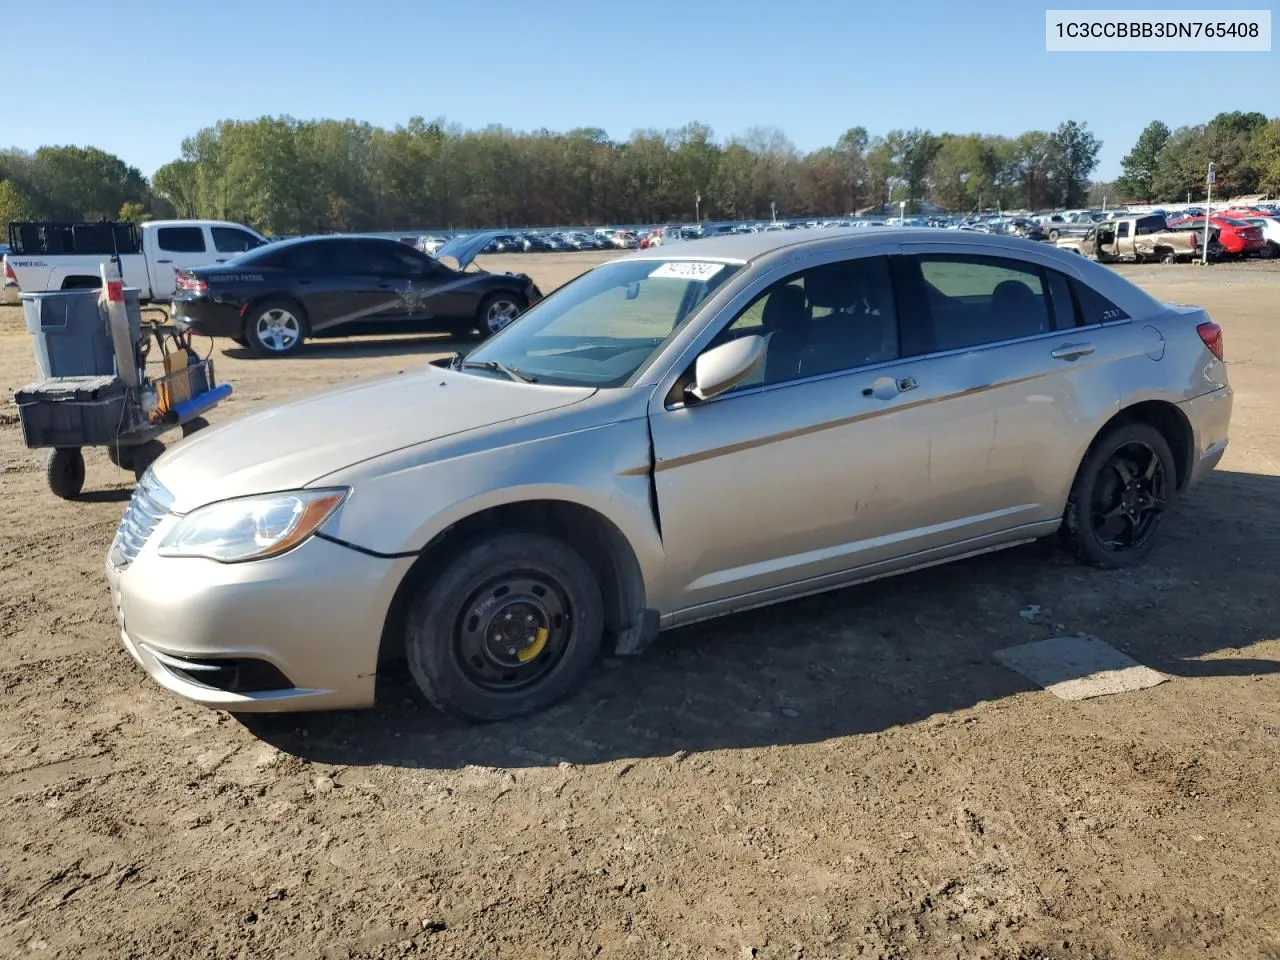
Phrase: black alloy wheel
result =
(1120, 495)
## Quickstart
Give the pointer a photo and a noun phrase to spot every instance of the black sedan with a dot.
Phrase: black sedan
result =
(274, 297)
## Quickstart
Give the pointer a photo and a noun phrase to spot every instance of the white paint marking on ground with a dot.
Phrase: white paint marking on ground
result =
(1078, 668)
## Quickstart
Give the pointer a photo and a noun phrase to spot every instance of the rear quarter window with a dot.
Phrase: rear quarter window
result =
(1094, 307)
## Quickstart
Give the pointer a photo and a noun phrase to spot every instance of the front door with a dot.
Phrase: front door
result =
(815, 465)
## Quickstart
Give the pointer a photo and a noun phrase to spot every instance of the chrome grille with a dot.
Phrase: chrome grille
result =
(150, 502)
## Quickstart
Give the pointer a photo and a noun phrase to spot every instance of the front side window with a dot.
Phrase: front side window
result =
(975, 300)
(601, 328)
(830, 318)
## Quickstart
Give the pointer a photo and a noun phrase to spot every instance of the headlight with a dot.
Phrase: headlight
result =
(251, 528)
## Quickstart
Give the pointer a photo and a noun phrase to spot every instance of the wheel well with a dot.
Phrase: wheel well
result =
(593, 535)
(81, 283)
(510, 292)
(255, 303)
(1173, 426)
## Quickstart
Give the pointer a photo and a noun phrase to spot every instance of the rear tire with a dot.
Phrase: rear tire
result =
(65, 472)
(510, 625)
(275, 328)
(1272, 249)
(1121, 492)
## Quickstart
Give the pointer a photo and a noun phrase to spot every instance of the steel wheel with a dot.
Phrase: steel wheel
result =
(278, 330)
(512, 632)
(1129, 498)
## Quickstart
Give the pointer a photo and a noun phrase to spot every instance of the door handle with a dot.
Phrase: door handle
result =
(1072, 351)
(886, 388)
(164, 261)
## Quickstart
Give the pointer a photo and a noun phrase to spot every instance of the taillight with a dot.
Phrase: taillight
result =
(1211, 334)
(9, 275)
(191, 283)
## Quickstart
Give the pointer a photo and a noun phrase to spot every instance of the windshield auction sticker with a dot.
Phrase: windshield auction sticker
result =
(687, 270)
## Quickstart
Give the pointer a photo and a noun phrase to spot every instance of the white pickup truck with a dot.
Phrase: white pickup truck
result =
(50, 256)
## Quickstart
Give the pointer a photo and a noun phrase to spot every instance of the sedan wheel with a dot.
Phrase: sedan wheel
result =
(1120, 496)
(509, 626)
(275, 330)
(496, 312)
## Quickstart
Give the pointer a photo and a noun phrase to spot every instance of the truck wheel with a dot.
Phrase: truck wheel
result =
(276, 328)
(508, 626)
(65, 472)
(1169, 258)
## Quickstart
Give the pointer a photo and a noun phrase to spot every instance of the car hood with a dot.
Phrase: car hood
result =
(466, 248)
(288, 446)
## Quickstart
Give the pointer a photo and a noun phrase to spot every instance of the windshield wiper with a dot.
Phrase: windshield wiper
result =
(497, 366)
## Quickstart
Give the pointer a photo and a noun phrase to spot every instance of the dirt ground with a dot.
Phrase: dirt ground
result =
(851, 775)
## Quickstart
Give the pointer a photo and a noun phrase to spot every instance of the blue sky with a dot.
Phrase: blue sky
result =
(814, 68)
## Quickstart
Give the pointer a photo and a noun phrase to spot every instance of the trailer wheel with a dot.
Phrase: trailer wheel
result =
(145, 454)
(194, 424)
(65, 472)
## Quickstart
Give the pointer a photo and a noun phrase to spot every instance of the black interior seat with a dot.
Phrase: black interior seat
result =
(785, 318)
(859, 328)
(1016, 311)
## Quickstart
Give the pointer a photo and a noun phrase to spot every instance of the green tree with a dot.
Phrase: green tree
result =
(1073, 158)
(133, 212)
(1140, 164)
(15, 203)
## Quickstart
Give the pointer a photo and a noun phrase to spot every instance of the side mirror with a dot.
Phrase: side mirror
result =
(724, 367)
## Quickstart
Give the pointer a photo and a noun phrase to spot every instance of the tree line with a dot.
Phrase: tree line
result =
(1166, 165)
(288, 176)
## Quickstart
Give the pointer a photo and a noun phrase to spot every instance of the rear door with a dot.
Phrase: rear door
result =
(175, 248)
(1018, 384)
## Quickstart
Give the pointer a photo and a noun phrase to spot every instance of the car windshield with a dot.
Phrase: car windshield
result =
(601, 328)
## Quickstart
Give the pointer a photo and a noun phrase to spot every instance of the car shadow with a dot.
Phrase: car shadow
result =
(345, 348)
(891, 652)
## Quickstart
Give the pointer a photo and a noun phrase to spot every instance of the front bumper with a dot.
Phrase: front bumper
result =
(296, 632)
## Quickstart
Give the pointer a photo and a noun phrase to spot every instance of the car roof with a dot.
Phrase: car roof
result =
(748, 247)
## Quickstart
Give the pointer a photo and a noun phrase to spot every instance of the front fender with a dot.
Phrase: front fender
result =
(398, 506)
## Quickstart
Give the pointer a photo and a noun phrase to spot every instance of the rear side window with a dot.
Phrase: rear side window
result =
(180, 239)
(231, 240)
(974, 300)
(1094, 307)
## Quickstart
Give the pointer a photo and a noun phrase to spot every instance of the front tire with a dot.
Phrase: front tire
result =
(1120, 495)
(509, 626)
(496, 311)
(275, 328)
